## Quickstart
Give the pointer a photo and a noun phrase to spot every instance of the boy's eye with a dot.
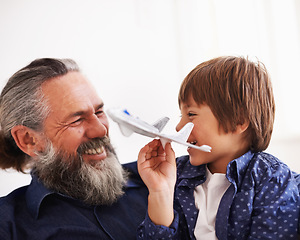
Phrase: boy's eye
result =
(191, 114)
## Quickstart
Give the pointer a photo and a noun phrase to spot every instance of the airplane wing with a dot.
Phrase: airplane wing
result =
(181, 137)
(129, 124)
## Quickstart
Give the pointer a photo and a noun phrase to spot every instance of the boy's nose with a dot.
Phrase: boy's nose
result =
(180, 125)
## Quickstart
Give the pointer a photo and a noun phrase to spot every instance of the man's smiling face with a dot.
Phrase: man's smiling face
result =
(76, 116)
(76, 157)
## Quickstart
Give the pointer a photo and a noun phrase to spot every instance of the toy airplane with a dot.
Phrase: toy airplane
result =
(129, 124)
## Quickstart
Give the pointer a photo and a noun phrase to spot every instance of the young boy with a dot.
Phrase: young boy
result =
(236, 191)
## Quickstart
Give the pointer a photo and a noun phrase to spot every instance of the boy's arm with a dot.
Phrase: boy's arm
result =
(157, 168)
(148, 230)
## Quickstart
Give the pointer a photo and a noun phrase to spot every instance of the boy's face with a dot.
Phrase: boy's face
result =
(225, 146)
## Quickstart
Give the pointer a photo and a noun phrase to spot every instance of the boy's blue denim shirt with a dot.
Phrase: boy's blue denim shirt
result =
(262, 201)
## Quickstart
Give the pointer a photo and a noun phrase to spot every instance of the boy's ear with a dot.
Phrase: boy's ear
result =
(26, 139)
(241, 128)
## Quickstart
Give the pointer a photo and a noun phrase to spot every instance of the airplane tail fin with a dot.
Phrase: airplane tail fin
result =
(161, 123)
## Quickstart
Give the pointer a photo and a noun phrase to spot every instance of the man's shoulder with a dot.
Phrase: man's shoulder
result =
(134, 177)
(131, 167)
(13, 198)
(11, 204)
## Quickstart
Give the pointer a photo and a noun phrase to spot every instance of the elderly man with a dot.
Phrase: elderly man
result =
(52, 121)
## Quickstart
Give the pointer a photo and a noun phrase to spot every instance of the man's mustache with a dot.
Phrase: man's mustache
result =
(94, 144)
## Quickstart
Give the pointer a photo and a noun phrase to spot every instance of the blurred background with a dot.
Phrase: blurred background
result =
(137, 52)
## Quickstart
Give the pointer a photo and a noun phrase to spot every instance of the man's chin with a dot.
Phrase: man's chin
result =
(100, 180)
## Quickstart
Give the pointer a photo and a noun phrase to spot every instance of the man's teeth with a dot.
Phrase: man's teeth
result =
(94, 151)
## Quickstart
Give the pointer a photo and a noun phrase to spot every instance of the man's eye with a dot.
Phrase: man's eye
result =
(76, 122)
(99, 113)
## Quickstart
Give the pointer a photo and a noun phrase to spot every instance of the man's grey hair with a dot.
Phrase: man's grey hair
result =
(22, 103)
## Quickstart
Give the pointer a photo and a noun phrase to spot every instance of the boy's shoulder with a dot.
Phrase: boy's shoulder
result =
(265, 167)
(264, 161)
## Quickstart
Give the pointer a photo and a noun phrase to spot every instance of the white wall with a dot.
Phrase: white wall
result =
(137, 52)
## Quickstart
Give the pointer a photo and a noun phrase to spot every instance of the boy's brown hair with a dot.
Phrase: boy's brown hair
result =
(237, 90)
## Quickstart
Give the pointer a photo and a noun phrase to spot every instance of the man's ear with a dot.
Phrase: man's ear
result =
(26, 139)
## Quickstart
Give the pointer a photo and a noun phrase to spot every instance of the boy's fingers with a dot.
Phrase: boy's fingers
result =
(170, 154)
(148, 151)
(142, 156)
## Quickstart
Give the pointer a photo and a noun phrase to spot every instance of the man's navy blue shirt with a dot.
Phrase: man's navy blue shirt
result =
(34, 212)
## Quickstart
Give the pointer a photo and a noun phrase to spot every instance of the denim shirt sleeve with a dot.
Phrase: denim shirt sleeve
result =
(266, 204)
(276, 207)
(148, 230)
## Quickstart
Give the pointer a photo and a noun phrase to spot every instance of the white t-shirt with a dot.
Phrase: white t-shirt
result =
(207, 199)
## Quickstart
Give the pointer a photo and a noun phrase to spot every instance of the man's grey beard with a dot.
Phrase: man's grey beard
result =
(97, 184)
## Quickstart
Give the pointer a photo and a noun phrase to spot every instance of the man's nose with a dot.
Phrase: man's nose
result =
(96, 128)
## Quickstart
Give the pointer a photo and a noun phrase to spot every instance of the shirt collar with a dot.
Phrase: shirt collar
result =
(237, 167)
(35, 194)
(191, 176)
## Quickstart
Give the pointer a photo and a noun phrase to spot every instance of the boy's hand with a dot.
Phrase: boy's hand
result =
(157, 167)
